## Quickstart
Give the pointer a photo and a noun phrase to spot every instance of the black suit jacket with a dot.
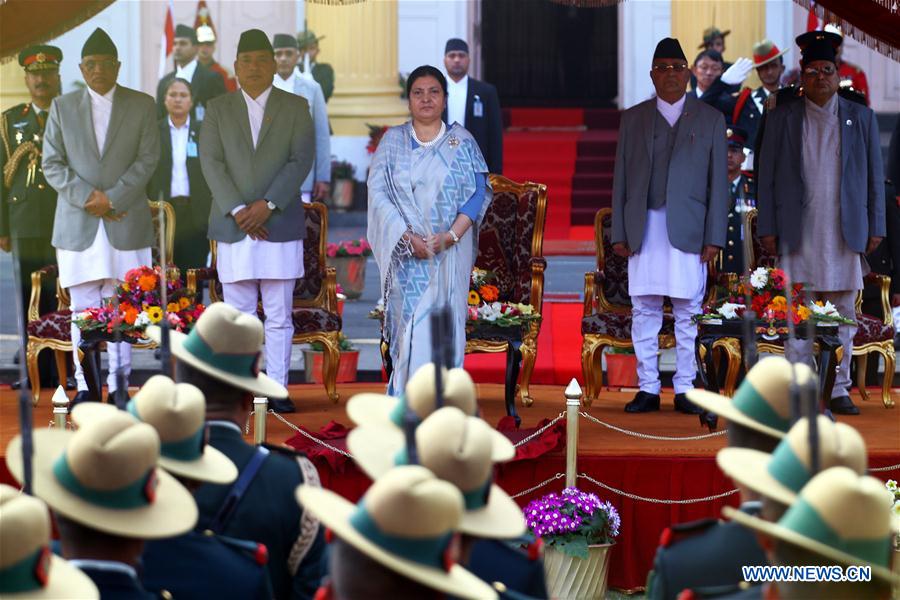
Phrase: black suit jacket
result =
(201, 198)
(205, 86)
(487, 129)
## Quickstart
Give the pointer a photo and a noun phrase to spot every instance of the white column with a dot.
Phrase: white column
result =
(780, 24)
(641, 26)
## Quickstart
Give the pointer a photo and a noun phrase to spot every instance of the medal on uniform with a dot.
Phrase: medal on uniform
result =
(19, 136)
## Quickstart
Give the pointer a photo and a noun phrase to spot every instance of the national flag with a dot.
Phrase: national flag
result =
(812, 21)
(166, 41)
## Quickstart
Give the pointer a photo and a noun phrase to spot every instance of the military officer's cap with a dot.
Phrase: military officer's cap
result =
(184, 31)
(737, 137)
(99, 42)
(40, 58)
(818, 45)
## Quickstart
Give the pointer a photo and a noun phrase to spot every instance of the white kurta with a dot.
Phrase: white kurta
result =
(100, 260)
(660, 269)
(457, 92)
(258, 259)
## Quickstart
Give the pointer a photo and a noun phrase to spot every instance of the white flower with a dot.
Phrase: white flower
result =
(489, 312)
(896, 508)
(828, 309)
(729, 310)
(891, 485)
(83, 315)
(759, 277)
(143, 319)
(525, 309)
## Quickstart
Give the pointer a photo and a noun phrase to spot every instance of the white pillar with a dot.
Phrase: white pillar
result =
(641, 26)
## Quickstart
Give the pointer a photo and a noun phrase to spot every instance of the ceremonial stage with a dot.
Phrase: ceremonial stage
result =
(652, 482)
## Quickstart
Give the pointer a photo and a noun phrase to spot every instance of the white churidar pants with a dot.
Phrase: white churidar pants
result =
(277, 298)
(91, 295)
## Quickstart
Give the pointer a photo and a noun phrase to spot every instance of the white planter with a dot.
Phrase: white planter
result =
(572, 578)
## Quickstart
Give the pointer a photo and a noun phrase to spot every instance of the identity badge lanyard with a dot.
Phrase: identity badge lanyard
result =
(477, 106)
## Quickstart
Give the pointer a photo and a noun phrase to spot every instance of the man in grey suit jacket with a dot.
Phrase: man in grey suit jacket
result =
(821, 194)
(318, 183)
(101, 147)
(670, 215)
(256, 147)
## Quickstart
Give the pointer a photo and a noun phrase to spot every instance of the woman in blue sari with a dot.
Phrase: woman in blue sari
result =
(428, 193)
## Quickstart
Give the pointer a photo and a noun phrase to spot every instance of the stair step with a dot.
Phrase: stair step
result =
(592, 147)
(594, 199)
(595, 164)
(592, 181)
(583, 215)
(602, 118)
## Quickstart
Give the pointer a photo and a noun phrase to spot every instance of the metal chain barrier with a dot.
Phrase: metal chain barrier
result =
(538, 486)
(310, 436)
(656, 500)
(883, 469)
(247, 422)
(540, 431)
(647, 436)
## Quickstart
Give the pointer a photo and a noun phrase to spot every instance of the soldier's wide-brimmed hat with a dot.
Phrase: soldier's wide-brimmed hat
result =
(711, 33)
(838, 515)
(782, 474)
(225, 344)
(178, 413)
(308, 38)
(765, 52)
(420, 397)
(405, 522)
(105, 477)
(40, 58)
(763, 400)
(458, 448)
(28, 569)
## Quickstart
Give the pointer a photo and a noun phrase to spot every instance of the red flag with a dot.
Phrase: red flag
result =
(812, 21)
(166, 42)
(203, 17)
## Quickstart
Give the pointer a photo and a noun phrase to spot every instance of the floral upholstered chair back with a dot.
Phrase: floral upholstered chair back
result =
(507, 243)
(310, 285)
(760, 258)
(613, 282)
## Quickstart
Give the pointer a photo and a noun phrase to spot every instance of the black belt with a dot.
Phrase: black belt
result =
(181, 199)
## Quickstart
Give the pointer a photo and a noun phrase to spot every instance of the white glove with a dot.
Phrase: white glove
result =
(737, 73)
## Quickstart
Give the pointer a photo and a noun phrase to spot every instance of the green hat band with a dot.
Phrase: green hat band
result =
(802, 518)
(424, 551)
(787, 468)
(28, 574)
(750, 402)
(478, 498)
(398, 413)
(134, 495)
(187, 449)
(239, 365)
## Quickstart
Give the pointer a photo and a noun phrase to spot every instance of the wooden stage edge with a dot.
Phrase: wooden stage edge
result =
(879, 426)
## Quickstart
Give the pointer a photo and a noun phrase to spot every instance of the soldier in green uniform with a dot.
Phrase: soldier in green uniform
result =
(27, 202)
(742, 190)
(323, 73)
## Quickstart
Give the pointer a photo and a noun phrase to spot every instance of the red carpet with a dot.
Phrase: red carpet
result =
(572, 151)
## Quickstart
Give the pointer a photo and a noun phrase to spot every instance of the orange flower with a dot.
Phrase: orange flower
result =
(489, 293)
(183, 303)
(778, 303)
(129, 312)
(147, 282)
(172, 307)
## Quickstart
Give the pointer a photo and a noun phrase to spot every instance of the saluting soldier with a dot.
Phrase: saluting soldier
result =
(27, 202)
(742, 190)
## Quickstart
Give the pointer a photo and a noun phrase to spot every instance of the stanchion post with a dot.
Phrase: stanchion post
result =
(60, 408)
(260, 409)
(573, 403)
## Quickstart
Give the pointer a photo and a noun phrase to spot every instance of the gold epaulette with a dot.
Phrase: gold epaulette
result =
(28, 148)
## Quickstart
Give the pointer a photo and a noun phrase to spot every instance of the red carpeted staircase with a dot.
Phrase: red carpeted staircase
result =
(573, 152)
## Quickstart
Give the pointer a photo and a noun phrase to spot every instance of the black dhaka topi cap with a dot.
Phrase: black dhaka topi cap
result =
(183, 31)
(284, 40)
(254, 39)
(669, 48)
(818, 45)
(99, 42)
(456, 45)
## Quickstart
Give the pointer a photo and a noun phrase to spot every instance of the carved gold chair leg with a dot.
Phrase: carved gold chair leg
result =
(732, 350)
(331, 360)
(862, 363)
(31, 362)
(889, 355)
(592, 370)
(529, 356)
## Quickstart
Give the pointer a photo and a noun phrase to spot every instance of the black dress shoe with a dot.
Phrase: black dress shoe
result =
(284, 405)
(119, 398)
(683, 405)
(16, 385)
(82, 396)
(843, 405)
(71, 384)
(643, 402)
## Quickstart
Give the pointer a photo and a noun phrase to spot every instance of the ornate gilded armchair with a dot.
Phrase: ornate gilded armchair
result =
(315, 315)
(873, 334)
(54, 329)
(510, 243)
(606, 320)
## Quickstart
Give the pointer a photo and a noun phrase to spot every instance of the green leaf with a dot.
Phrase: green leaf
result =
(574, 546)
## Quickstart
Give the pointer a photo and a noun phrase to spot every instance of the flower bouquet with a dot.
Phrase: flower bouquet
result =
(138, 304)
(577, 529)
(766, 290)
(348, 257)
(358, 247)
(485, 308)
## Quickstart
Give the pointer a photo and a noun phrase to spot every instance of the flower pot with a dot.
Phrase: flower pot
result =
(351, 274)
(314, 363)
(340, 304)
(576, 578)
(621, 370)
(342, 194)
